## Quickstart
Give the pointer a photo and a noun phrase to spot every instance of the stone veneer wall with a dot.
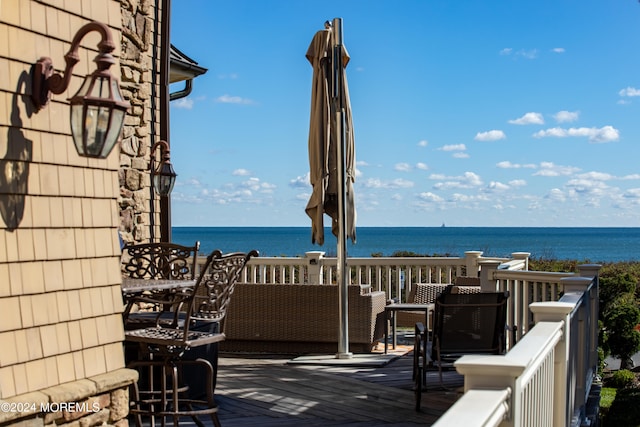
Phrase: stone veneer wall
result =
(61, 355)
(140, 129)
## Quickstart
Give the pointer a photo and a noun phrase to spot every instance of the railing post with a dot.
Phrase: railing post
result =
(471, 259)
(487, 280)
(558, 312)
(523, 256)
(578, 284)
(314, 267)
(484, 372)
(589, 270)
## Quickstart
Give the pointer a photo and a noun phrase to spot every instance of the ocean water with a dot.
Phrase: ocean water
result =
(582, 244)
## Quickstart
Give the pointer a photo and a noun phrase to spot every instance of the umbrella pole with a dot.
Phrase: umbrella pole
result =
(341, 271)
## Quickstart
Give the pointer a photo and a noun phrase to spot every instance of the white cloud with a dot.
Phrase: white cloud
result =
(468, 180)
(524, 53)
(254, 184)
(557, 195)
(508, 165)
(460, 155)
(566, 116)
(241, 172)
(401, 183)
(465, 198)
(438, 176)
(402, 167)
(529, 119)
(422, 166)
(497, 186)
(227, 99)
(302, 181)
(632, 176)
(587, 186)
(430, 197)
(595, 135)
(453, 147)
(184, 103)
(492, 135)
(629, 91)
(632, 193)
(551, 169)
(423, 143)
(517, 183)
(378, 183)
(528, 54)
(252, 191)
(558, 50)
(596, 176)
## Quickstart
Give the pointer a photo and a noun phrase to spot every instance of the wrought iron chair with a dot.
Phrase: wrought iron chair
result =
(209, 313)
(168, 346)
(471, 323)
(155, 261)
(160, 261)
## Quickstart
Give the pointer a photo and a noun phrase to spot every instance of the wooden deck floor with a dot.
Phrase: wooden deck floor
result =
(270, 392)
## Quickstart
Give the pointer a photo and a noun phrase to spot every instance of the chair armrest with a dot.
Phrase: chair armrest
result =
(168, 300)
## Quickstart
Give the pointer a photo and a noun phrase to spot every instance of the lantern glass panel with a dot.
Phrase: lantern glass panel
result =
(164, 179)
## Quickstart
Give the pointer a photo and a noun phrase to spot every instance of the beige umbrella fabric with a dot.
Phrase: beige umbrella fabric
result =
(323, 143)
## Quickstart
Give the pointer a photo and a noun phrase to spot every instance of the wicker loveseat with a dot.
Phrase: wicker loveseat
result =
(300, 319)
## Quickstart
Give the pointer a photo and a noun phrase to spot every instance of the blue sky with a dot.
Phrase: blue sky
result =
(471, 113)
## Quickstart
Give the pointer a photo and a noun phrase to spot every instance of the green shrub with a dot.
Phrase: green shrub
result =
(623, 378)
(607, 397)
(602, 356)
(624, 411)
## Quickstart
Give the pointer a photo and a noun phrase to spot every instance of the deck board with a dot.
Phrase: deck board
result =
(269, 392)
(265, 390)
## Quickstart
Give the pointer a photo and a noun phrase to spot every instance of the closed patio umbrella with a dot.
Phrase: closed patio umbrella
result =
(332, 155)
(325, 138)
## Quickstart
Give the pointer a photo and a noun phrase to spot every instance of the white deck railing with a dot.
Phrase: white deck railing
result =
(545, 379)
(397, 275)
(393, 275)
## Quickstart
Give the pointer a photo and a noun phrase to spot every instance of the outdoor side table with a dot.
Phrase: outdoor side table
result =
(390, 312)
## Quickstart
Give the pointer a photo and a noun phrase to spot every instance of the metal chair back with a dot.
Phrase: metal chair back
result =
(219, 278)
(160, 261)
(468, 324)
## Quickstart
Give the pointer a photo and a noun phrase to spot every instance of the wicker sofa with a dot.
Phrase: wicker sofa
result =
(300, 319)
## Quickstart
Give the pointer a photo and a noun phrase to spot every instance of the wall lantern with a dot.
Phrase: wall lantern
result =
(98, 108)
(163, 177)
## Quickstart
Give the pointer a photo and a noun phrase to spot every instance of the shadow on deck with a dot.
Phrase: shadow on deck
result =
(267, 391)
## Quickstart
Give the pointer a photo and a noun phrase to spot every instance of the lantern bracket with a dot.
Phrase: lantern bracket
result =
(46, 82)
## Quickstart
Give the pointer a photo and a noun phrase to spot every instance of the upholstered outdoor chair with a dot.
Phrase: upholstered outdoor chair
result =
(471, 323)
